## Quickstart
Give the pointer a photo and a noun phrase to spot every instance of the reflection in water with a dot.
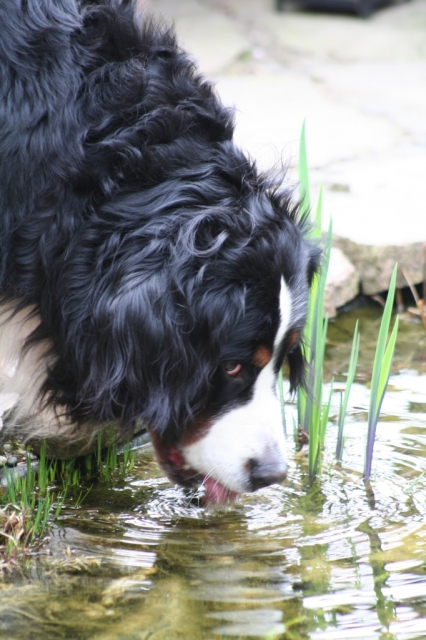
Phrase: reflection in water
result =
(328, 560)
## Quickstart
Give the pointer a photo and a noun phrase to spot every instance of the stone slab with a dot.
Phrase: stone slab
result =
(374, 264)
(342, 282)
(379, 201)
(270, 110)
(360, 84)
(209, 35)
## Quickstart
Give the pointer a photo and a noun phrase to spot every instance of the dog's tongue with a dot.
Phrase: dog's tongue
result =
(216, 493)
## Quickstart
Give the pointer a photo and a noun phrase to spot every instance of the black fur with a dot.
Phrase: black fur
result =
(146, 241)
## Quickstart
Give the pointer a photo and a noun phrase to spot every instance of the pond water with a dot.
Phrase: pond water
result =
(328, 560)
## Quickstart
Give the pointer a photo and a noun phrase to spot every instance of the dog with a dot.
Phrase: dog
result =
(150, 277)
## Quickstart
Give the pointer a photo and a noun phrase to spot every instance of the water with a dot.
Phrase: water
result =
(328, 560)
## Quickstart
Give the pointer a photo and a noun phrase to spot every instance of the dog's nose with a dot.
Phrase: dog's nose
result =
(266, 469)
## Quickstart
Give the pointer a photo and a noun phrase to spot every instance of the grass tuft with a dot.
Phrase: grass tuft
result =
(313, 412)
(35, 495)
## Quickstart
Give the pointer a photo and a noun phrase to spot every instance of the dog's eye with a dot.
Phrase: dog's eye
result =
(232, 368)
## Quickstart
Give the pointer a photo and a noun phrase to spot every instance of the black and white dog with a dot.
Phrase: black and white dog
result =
(149, 276)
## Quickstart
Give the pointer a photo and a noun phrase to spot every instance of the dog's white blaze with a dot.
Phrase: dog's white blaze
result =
(285, 313)
(246, 432)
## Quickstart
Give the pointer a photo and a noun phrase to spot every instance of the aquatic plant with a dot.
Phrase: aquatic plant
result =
(28, 494)
(15, 534)
(381, 372)
(312, 412)
(344, 398)
(35, 495)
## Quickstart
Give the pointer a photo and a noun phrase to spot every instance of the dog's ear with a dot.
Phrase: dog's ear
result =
(296, 367)
(144, 361)
(125, 352)
(314, 262)
(300, 266)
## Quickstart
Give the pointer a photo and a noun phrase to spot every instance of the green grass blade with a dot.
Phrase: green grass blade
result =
(381, 342)
(11, 487)
(353, 361)
(301, 409)
(43, 473)
(386, 368)
(325, 415)
(281, 396)
(304, 191)
(318, 334)
(388, 358)
(317, 229)
(313, 451)
(381, 372)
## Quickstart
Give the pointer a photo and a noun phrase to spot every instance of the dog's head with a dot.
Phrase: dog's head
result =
(197, 298)
(236, 316)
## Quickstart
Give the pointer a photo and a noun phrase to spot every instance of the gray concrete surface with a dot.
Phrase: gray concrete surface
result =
(360, 85)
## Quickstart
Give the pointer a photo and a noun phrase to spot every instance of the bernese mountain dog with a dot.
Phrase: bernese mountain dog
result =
(150, 276)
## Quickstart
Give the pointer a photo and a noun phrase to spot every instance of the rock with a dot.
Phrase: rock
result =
(375, 264)
(12, 461)
(342, 282)
(3, 461)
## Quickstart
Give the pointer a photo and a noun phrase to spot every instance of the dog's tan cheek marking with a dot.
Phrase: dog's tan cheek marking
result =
(293, 338)
(262, 356)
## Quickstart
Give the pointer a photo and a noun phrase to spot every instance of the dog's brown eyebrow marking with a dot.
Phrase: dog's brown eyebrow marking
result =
(262, 356)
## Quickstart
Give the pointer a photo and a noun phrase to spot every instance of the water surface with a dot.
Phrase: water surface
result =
(324, 560)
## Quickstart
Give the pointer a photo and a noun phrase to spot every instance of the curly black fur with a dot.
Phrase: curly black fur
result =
(146, 242)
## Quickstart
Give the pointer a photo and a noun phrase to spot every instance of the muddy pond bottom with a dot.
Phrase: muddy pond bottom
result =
(332, 559)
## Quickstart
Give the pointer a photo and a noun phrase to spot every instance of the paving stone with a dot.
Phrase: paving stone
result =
(360, 84)
(342, 282)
